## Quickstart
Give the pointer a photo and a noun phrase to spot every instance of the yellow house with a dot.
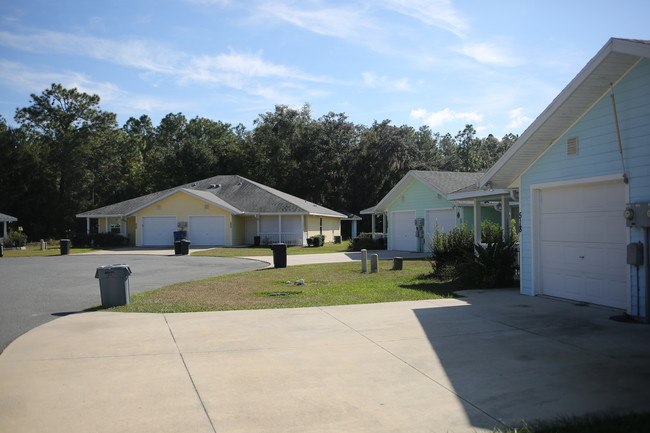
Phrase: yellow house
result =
(218, 211)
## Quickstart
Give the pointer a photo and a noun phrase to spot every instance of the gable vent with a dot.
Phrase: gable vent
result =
(572, 146)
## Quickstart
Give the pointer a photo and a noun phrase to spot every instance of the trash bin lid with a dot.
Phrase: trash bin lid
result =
(122, 269)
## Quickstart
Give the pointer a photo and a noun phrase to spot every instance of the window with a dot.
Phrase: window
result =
(115, 225)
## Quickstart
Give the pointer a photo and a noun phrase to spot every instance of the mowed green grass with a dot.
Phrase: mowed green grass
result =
(35, 251)
(330, 284)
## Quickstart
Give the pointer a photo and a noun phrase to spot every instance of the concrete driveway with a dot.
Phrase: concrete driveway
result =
(35, 290)
(455, 365)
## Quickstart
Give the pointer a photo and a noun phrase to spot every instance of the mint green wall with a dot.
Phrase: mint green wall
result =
(417, 197)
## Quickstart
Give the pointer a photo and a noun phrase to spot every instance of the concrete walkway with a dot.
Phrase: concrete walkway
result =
(454, 365)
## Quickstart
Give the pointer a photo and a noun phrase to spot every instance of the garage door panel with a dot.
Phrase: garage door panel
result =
(207, 230)
(158, 231)
(403, 231)
(582, 243)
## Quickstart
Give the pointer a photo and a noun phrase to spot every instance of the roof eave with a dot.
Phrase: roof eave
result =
(627, 47)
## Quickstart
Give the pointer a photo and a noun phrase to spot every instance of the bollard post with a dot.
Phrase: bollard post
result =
(374, 263)
(397, 263)
(364, 261)
(43, 245)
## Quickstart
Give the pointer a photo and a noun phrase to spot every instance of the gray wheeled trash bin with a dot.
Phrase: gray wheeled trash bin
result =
(279, 255)
(114, 285)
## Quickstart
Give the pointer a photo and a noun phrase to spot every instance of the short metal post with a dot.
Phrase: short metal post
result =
(43, 245)
(364, 261)
(374, 263)
(397, 263)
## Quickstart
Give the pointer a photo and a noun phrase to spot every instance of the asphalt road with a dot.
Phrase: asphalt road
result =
(35, 290)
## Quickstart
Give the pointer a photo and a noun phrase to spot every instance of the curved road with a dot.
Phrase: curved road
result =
(35, 290)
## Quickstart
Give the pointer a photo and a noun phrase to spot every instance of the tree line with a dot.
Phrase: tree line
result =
(66, 155)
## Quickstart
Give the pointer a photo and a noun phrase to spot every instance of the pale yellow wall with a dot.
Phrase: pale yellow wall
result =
(130, 229)
(182, 205)
(239, 230)
(331, 227)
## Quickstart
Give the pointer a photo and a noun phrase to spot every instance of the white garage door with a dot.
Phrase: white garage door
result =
(582, 243)
(158, 231)
(402, 231)
(207, 230)
(443, 219)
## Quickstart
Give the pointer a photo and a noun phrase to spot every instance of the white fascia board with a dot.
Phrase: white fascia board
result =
(81, 215)
(478, 194)
(382, 206)
(613, 45)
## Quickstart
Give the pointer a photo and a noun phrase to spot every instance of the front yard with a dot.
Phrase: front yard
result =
(331, 284)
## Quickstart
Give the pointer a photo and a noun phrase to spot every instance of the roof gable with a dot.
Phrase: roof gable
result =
(440, 182)
(608, 66)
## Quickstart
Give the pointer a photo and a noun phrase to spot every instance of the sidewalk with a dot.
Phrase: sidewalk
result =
(451, 365)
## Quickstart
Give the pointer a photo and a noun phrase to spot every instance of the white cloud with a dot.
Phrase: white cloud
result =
(517, 118)
(484, 52)
(370, 79)
(343, 22)
(447, 115)
(438, 13)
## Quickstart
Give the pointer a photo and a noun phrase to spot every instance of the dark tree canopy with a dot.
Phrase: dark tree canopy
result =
(68, 156)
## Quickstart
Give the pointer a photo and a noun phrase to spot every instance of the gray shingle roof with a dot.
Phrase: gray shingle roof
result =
(448, 182)
(235, 193)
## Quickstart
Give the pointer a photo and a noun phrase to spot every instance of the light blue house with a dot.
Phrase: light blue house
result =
(421, 201)
(575, 169)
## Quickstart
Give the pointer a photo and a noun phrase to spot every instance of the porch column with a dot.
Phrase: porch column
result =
(505, 217)
(373, 225)
(87, 226)
(107, 229)
(354, 229)
(477, 221)
(257, 221)
(304, 232)
(4, 229)
(384, 225)
(279, 228)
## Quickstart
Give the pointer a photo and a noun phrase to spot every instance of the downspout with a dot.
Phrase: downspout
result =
(626, 180)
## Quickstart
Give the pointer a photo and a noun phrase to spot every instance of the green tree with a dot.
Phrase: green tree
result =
(64, 128)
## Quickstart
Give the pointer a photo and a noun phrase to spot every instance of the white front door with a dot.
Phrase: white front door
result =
(582, 243)
(402, 231)
(158, 230)
(207, 230)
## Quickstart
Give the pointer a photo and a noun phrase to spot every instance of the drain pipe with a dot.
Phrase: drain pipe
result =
(646, 232)
(618, 134)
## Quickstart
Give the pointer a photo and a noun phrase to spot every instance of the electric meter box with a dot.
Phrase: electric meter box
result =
(637, 214)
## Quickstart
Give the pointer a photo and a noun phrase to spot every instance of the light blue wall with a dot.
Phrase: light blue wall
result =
(599, 156)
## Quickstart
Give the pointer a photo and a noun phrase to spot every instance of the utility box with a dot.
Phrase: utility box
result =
(637, 214)
(114, 284)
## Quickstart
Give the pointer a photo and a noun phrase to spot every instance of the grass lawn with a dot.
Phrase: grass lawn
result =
(598, 423)
(331, 284)
(35, 251)
(266, 251)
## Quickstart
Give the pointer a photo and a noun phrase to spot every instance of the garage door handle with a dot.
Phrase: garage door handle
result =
(582, 257)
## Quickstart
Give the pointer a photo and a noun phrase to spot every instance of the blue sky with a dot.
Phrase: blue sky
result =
(495, 64)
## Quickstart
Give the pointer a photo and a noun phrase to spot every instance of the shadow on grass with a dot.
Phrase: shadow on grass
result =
(430, 284)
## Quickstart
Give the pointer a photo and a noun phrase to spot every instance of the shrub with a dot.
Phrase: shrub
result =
(99, 240)
(449, 250)
(365, 242)
(15, 239)
(492, 265)
(316, 241)
(490, 232)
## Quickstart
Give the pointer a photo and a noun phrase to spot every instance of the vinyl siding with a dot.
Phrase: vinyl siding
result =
(418, 197)
(598, 155)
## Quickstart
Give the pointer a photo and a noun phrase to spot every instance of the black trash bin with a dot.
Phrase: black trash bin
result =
(185, 247)
(177, 247)
(180, 235)
(65, 247)
(279, 255)
(114, 284)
